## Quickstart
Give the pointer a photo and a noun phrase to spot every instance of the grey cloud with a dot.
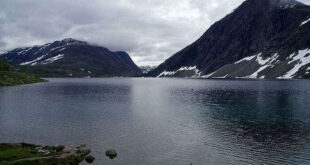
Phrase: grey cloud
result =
(150, 30)
(2, 44)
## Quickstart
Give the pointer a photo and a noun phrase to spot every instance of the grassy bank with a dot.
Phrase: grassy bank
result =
(10, 153)
(8, 78)
(29, 154)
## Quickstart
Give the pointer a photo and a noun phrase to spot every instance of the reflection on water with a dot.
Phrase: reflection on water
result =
(165, 121)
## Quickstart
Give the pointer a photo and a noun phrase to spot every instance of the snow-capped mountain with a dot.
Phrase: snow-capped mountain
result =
(70, 57)
(147, 68)
(259, 39)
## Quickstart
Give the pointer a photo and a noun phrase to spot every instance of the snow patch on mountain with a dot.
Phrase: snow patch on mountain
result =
(33, 61)
(166, 73)
(302, 58)
(197, 73)
(262, 62)
(221, 77)
(62, 49)
(24, 50)
(44, 47)
(59, 47)
(296, 63)
(53, 59)
(304, 22)
(265, 63)
(82, 69)
(245, 59)
(208, 75)
(255, 74)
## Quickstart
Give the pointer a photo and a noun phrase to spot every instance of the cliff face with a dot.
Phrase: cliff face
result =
(259, 39)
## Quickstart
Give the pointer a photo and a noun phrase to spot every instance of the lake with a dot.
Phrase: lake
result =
(153, 121)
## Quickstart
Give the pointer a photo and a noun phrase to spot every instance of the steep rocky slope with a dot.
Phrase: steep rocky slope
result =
(259, 39)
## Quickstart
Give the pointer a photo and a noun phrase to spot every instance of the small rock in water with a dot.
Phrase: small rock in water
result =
(111, 154)
(89, 159)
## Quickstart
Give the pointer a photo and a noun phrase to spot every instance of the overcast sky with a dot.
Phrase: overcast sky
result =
(149, 30)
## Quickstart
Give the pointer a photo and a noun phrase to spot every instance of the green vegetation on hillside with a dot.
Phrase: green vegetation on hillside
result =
(5, 66)
(8, 77)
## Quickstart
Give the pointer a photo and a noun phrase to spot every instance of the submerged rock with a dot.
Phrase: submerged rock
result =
(111, 154)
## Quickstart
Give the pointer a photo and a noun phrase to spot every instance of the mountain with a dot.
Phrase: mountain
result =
(259, 39)
(72, 58)
(147, 68)
(11, 76)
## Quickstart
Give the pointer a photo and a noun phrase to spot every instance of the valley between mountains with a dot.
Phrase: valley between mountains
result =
(261, 39)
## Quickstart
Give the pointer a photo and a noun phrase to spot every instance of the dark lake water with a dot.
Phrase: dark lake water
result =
(165, 121)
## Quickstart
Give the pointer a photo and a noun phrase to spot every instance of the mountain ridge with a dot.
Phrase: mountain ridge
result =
(72, 58)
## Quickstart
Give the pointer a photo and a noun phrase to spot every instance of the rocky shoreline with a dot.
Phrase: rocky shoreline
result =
(31, 154)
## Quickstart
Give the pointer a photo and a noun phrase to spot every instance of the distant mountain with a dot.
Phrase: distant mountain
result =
(72, 58)
(259, 39)
(147, 68)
